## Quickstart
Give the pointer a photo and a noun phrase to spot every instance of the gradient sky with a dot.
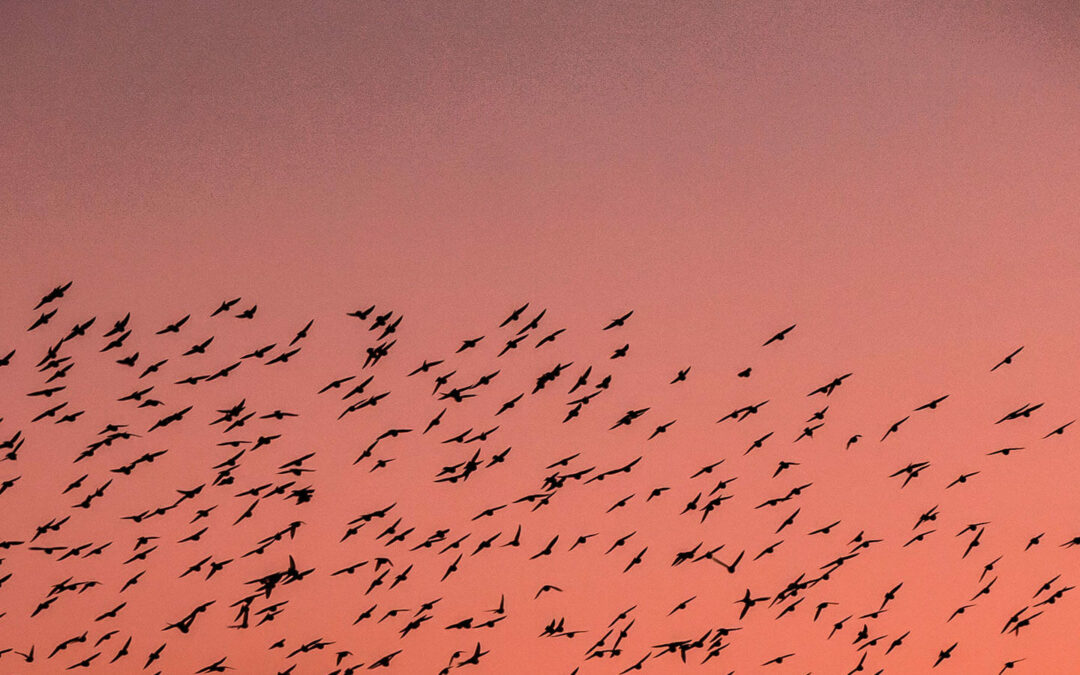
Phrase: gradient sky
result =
(898, 179)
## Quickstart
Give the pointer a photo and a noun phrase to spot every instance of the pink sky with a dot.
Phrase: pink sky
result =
(900, 180)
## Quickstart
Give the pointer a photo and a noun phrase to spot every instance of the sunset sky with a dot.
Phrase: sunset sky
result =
(898, 180)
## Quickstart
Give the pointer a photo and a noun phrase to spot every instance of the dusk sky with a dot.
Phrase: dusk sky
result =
(900, 181)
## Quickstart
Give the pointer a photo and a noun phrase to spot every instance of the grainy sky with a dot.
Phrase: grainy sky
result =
(900, 180)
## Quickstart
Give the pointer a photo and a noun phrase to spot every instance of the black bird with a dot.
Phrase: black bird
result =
(175, 326)
(747, 601)
(932, 405)
(779, 336)
(893, 429)
(55, 294)
(42, 320)
(945, 654)
(620, 321)
(225, 306)
(514, 316)
(1007, 360)
(361, 314)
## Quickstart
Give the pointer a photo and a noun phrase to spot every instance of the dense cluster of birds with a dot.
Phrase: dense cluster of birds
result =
(165, 365)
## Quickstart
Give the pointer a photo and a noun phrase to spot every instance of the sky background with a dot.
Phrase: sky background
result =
(899, 180)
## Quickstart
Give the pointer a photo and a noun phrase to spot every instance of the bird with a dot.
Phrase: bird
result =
(933, 404)
(779, 336)
(1008, 359)
(945, 654)
(225, 306)
(514, 316)
(175, 326)
(895, 427)
(620, 321)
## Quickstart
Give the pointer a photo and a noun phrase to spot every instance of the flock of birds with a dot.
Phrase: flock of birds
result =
(165, 369)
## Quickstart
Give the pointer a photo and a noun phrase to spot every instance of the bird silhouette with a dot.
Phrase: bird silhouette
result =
(375, 458)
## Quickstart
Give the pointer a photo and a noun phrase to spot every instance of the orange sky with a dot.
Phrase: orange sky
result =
(898, 180)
